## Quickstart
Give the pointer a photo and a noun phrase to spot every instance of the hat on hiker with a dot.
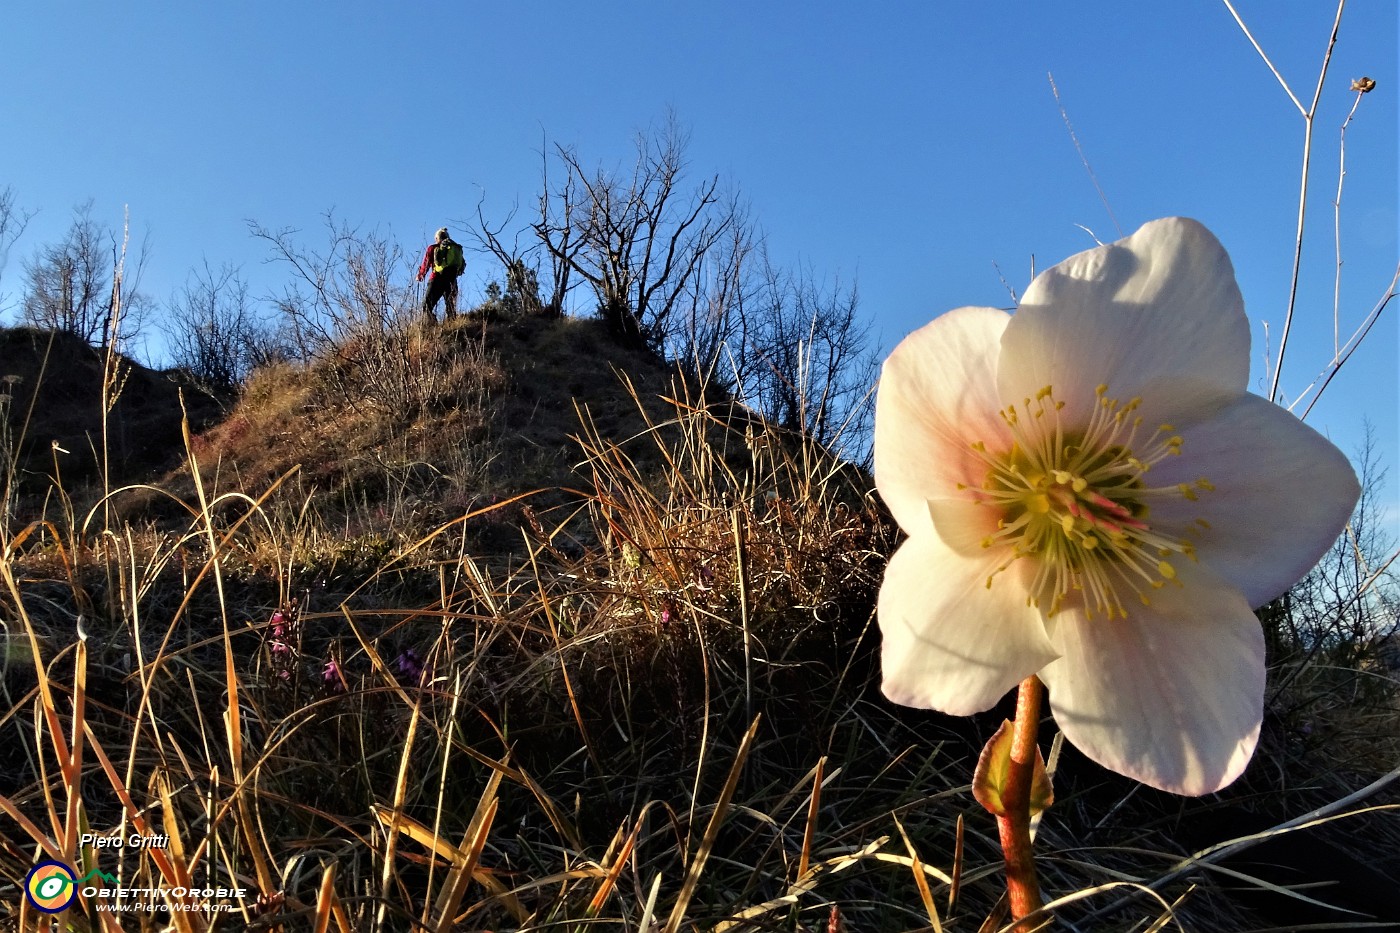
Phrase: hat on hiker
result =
(442, 233)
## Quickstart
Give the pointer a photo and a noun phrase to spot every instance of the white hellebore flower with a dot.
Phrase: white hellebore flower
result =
(1091, 495)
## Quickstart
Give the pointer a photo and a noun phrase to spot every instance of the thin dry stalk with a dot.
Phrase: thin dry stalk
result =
(1308, 116)
(809, 831)
(697, 864)
(920, 882)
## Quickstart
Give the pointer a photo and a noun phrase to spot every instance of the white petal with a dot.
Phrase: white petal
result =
(964, 524)
(1157, 315)
(937, 394)
(950, 642)
(1173, 695)
(1282, 494)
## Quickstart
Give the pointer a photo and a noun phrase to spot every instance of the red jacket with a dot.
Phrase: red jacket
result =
(427, 264)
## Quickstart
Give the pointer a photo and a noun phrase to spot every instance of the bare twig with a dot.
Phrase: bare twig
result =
(1337, 225)
(1360, 334)
(1224, 850)
(1258, 48)
(1064, 115)
(1308, 116)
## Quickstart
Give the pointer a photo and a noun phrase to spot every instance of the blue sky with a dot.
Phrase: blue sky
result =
(907, 145)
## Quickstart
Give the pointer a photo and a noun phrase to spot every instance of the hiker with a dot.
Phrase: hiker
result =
(444, 257)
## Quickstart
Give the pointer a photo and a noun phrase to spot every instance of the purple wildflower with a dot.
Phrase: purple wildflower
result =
(409, 665)
(333, 676)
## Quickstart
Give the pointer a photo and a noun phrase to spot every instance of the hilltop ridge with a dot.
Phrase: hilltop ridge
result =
(488, 408)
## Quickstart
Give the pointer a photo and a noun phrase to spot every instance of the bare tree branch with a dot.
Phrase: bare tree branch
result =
(71, 282)
(631, 238)
(13, 222)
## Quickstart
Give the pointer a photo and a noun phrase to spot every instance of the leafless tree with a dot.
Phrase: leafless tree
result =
(13, 221)
(520, 267)
(358, 286)
(682, 271)
(636, 238)
(1333, 640)
(1350, 599)
(71, 283)
(213, 331)
(806, 362)
(712, 323)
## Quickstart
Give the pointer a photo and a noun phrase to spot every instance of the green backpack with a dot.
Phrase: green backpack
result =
(447, 257)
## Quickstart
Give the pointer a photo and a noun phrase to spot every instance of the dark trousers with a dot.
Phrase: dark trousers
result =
(444, 286)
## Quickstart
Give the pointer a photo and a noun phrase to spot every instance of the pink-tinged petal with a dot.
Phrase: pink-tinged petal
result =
(964, 524)
(1157, 315)
(937, 395)
(950, 642)
(1173, 695)
(1282, 493)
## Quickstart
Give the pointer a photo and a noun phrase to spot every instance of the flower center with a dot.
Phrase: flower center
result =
(1076, 501)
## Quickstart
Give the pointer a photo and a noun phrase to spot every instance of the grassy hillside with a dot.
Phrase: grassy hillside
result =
(527, 631)
(492, 410)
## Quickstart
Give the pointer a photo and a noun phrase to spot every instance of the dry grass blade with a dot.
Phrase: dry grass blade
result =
(71, 771)
(1279, 889)
(485, 809)
(619, 863)
(647, 924)
(391, 837)
(73, 767)
(742, 588)
(810, 830)
(1170, 915)
(818, 870)
(917, 866)
(1074, 138)
(1223, 850)
(173, 871)
(1046, 912)
(449, 853)
(40, 672)
(955, 885)
(402, 823)
(325, 899)
(548, 610)
(45, 842)
(697, 864)
(234, 732)
(171, 822)
(908, 862)
(552, 810)
(461, 875)
(994, 919)
(368, 646)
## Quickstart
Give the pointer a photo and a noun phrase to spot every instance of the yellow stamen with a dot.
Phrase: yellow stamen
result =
(1073, 498)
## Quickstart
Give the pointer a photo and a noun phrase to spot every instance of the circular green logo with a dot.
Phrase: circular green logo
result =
(50, 886)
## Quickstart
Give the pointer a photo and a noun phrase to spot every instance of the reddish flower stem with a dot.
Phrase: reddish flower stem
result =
(1022, 888)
